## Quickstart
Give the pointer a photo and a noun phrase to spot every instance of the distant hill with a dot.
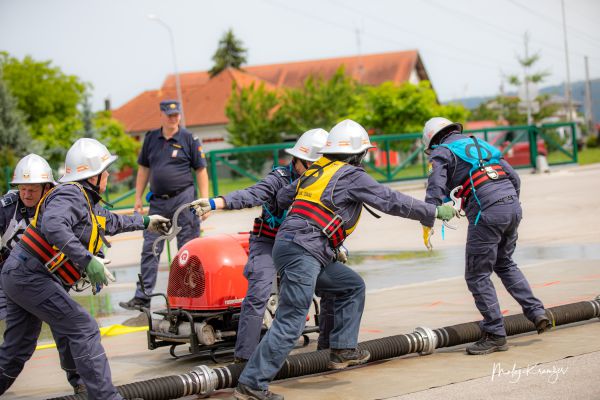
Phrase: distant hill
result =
(577, 88)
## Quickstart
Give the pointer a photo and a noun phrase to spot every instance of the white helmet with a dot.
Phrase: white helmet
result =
(309, 145)
(32, 169)
(347, 137)
(436, 125)
(86, 158)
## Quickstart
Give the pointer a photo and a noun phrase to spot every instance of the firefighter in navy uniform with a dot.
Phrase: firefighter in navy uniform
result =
(259, 270)
(33, 178)
(490, 192)
(327, 203)
(57, 249)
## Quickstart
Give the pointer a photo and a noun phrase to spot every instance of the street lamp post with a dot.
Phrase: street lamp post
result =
(177, 81)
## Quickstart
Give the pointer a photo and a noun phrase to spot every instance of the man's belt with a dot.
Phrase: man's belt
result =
(331, 224)
(480, 178)
(167, 196)
(261, 228)
(56, 262)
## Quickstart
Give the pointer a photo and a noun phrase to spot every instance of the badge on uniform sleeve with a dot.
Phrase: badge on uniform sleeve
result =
(201, 152)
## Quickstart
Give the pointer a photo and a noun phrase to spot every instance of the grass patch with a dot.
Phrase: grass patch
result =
(589, 155)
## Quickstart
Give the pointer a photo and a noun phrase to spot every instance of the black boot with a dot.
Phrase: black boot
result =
(135, 304)
(489, 343)
(243, 392)
(343, 358)
(542, 324)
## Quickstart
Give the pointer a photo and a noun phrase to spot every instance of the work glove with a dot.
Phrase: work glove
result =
(201, 206)
(427, 234)
(107, 272)
(446, 213)
(95, 272)
(96, 288)
(157, 224)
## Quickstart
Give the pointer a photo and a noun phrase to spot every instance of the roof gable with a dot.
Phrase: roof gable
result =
(205, 98)
(202, 104)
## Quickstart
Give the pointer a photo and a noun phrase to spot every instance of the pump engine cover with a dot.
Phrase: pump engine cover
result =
(208, 273)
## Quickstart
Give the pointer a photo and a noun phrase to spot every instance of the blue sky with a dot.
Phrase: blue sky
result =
(466, 45)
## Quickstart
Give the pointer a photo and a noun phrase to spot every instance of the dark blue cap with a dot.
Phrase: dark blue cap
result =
(170, 107)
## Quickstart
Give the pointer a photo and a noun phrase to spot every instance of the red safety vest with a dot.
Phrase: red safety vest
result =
(309, 205)
(479, 179)
(57, 262)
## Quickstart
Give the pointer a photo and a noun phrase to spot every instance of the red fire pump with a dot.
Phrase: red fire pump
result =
(204, 296)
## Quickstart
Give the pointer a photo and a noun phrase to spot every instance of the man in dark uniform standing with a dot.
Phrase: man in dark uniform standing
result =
(168, 156)
(490, 191)
(33, 177)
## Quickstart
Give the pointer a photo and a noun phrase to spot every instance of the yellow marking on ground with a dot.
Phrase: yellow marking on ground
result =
(111, 330)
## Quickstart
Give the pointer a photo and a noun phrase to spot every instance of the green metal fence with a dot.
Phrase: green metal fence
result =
(400, 156)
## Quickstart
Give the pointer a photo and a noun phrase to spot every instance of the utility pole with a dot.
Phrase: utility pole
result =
(177, 81)
(526, 80)
(589, 114)
(360, 67)
(568, 81)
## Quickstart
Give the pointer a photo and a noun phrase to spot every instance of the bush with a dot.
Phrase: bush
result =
(592, 141)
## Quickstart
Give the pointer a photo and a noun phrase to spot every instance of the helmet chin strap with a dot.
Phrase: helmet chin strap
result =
(96, 189)
(303, 162)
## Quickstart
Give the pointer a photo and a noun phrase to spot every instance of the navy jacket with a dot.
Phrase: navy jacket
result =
(448, 171)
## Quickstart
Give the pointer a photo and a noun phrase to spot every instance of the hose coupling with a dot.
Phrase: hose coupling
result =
(429, 340)
(207, 379)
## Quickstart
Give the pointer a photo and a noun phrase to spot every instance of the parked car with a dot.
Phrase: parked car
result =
(519, 154)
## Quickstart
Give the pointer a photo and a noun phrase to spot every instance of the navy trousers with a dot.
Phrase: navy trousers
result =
(260, 273)
(35, 296)
(190, 229)
(490, 246)
(64, 352)
(300, 275)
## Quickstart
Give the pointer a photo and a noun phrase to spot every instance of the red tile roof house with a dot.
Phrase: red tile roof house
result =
(204, 99)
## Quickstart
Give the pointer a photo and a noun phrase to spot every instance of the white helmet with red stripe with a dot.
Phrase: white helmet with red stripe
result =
(347, 137)
(32, 169)
(86, 158)
(309, 145)
(436, 125)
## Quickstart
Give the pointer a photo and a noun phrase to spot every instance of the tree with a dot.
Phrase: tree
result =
(392, 109)
(111, 133)
(13, 134)
(251, 113)
(49, 101)
(230, 53)
(87, 117)
(528, 80)
(319, 103)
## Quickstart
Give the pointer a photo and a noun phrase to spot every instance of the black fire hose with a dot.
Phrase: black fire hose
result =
(204, 380)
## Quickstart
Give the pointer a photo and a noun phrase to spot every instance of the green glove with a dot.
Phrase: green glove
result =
(95, 271)
(446, 213)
